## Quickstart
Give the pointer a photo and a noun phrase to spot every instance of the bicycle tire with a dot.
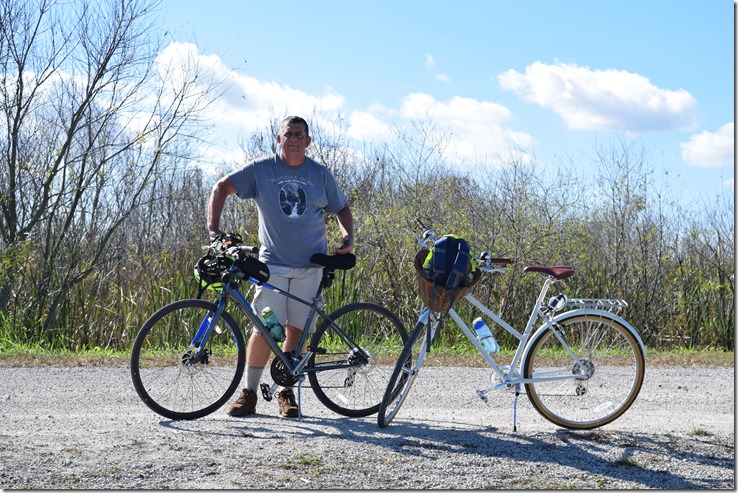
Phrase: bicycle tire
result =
(355, 391)
(169, 384)
(612, 353)
(404, 374)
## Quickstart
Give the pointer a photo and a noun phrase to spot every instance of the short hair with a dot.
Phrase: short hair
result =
(296, 119)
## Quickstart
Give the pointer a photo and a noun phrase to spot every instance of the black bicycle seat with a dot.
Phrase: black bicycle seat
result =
(333, 262)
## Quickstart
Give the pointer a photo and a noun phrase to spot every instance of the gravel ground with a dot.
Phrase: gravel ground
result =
(85, 428)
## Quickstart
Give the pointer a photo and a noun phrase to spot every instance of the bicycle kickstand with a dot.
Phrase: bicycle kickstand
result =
(300, 379)
(515, 408)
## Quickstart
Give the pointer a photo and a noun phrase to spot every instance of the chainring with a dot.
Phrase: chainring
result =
(280, 374)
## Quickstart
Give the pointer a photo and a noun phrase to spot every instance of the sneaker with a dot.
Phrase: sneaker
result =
(287, 403)
(244, 405)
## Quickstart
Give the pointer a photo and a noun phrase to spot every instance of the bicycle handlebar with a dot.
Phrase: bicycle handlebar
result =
(230, 244)
(227, 238)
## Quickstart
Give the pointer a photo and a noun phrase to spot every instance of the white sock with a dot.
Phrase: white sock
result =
(253, 377)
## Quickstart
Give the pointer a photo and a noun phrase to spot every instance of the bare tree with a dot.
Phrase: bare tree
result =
(94, 119)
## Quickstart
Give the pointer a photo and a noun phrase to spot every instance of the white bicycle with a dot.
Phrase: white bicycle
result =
(580, 362)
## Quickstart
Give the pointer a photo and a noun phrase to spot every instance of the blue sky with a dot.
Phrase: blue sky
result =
(554, 78)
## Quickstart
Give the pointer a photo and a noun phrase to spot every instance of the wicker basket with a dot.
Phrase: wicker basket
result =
(436, 297)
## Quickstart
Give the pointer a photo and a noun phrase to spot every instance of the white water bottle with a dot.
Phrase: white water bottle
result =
(485, 336)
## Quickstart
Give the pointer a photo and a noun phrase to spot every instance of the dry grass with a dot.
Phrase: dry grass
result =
(17, 359)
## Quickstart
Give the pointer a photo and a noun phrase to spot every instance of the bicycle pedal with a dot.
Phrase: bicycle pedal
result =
(266, 392)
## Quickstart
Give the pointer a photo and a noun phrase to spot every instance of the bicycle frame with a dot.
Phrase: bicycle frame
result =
(230, 291)
(524, 338)
(512, 378)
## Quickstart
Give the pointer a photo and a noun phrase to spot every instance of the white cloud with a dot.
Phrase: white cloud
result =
(474, 129)
(710, 150)
(364, 125)
(430, 64)
(614, 100)
(248, 101)
(479, 112)
(430, 61)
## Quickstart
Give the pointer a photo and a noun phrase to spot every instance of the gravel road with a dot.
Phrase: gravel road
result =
(84, 427)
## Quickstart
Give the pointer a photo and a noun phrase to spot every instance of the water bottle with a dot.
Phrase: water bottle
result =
(485, 336)
(272, 323)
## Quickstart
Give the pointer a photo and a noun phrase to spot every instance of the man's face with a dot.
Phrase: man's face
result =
(293, 139)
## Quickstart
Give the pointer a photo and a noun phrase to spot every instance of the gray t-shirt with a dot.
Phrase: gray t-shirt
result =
(292, 202)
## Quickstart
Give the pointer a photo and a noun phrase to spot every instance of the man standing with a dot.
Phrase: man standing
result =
(292, 194)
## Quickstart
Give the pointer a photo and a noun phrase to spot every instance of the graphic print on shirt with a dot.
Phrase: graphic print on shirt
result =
(292, 199)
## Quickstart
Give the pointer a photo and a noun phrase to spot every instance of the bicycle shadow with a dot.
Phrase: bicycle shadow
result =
(601, 453)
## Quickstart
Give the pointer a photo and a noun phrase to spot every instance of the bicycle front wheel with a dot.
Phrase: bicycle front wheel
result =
(612, 370)
(167, 375)
(404, 374)
(354, 349)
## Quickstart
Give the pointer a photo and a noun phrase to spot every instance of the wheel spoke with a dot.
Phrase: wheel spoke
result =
(167, 375)
(612, 377)
(356, 383)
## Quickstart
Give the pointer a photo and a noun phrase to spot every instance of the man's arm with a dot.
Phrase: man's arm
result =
(346, 225)
(218, 196)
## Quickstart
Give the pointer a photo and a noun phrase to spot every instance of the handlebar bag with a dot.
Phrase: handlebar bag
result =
(254, 268)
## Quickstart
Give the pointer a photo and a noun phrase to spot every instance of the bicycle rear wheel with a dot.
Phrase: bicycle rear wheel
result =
(404, 374)
(614, 367)
(348, 380)
(164, 372)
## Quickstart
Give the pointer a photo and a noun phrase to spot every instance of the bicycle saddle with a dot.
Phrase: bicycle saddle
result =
(559, 271)
(333, 262)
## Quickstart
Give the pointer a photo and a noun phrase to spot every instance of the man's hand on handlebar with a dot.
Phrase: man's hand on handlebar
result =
(220, 242)
(228, 239)
(346, 245)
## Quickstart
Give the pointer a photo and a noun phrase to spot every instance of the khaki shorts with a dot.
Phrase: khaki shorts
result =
(302, 283)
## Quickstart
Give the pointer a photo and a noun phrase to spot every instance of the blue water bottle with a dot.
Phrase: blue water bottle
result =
(272, 323)
(485, 336)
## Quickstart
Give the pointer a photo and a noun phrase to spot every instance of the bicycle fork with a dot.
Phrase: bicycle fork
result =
(198, 352)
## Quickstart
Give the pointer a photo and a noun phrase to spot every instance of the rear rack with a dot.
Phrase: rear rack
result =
(612, 306)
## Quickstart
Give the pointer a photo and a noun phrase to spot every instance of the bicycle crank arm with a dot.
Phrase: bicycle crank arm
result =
(505, 386)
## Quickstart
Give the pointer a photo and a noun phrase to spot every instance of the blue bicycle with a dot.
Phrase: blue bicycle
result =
(189, 356)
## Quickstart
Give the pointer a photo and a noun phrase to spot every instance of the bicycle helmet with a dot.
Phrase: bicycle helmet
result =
(209, 269)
